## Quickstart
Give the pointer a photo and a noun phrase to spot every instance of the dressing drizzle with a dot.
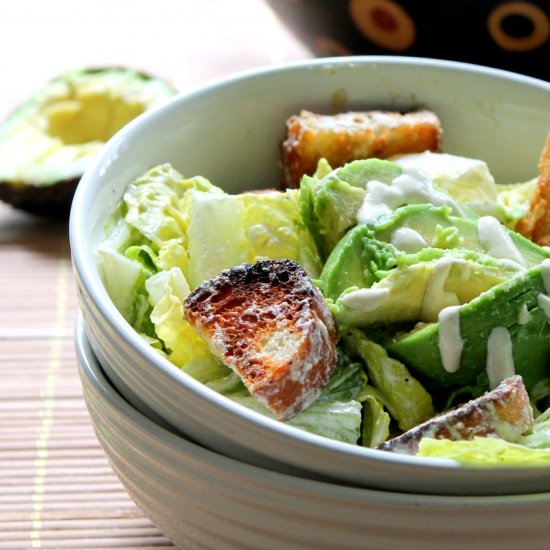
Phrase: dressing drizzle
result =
(450, 339)
(500, 362)
(496, 241)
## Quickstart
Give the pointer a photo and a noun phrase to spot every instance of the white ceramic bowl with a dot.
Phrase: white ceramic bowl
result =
(201, 499)
(229, 132)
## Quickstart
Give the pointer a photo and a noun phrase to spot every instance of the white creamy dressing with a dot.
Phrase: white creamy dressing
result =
(545, 274)
(408, 240)
(544, 304)
(436, 297)
(414, 186)
(411, 187)
(450, 339)
(496, 241)
(365, 299)
(466, 178)
(524, 316)
(500, 362)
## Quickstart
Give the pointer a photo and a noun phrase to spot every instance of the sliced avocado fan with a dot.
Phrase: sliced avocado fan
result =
(369, 282)
(459, 301)
(518, 309)
(47, 143)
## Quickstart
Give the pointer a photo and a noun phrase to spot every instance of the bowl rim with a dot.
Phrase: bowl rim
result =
(90, 281)
(91, 370)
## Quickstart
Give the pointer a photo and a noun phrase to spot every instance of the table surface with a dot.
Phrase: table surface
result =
(57, 489)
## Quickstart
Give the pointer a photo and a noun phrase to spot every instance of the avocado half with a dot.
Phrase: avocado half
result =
(47, 143)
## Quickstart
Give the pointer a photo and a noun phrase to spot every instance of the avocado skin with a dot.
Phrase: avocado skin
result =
(54, 199)
(497, 307)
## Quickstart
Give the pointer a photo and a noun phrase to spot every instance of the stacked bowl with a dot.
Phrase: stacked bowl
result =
(212, 473)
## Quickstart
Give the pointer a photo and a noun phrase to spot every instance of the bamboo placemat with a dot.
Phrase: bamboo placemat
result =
(57, 489)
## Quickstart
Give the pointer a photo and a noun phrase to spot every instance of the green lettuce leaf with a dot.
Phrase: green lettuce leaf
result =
(145, 234)
(228, 230)
(514, 200)
(467, 180)
(154, 203)
(376, 421)
(484, 451)
(167, 291)
(404, 397)
(181, 343)
(336, 414)
(156, 206)
(538, 436)
(124, 279)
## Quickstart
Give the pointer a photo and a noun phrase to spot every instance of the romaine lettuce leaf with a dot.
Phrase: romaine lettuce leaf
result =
(216, 235)
(336, 414)
(274, 230)
(467, 180)
(145, 255)
(339, 420)
(167, 292)
(404, 397)
(145, 234)
(228, 230)
(484, 451)
(182, 345)
(124, 279)
(154, 203)
(376, 421)
(514, 200)
(538, 436)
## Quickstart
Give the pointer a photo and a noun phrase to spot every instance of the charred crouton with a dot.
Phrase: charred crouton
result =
(536, 225)
(271, 325)
(504, 412)
(344, 137)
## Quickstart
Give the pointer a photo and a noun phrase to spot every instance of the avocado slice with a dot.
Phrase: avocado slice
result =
(369, 282)
(517, 305)
(329, 204)
(48, 142)
(416, 226)
(366, 191)
(357, 261)
(485, 275)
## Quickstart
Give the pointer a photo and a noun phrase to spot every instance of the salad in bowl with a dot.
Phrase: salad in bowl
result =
(389, 295)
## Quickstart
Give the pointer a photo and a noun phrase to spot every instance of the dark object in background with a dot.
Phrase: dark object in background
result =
(512, 35)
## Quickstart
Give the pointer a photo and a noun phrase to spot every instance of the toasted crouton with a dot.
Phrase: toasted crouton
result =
(504, 412)
(344, 137)
(271, 325)
(536, 225)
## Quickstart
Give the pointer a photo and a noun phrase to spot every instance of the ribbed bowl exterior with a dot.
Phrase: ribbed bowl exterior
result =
(201, 499)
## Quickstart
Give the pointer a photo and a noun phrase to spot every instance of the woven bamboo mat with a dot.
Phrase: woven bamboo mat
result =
(57, 489)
